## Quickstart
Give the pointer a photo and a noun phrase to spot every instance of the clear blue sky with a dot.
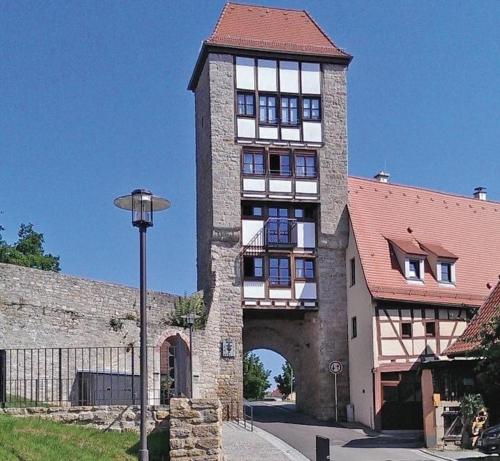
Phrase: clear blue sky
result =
(93, 103)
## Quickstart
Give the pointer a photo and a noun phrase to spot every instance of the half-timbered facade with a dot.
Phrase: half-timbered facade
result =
(419, 265)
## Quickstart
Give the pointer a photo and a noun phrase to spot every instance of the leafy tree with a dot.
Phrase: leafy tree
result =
(186, 305)
(255, 377)
(285, 380)
(28, 250)
(488, 369)
(469, 406)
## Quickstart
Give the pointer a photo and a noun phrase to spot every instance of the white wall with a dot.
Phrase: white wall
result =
(361, 348)
(245, 74)
(266, 75)
(249, 228)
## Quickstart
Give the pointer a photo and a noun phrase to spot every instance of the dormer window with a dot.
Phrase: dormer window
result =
(446, 272)
(414, 269)
(442, 263)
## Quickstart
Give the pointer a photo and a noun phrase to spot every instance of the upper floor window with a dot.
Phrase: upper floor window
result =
(289, 110)
(246, 104)
(267, 110)
(353, 271)
(354, 327)
(279, 271)
(279, 163)
(305, 165)
(311, 108)
(278, 226)
(304, 268)
(252, 211)
(414, 269)
(445, 272)
(253, 267)
(406, 330)
(253, 163)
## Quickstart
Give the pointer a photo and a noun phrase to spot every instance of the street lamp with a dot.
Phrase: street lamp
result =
(190, 320)
(142, 203)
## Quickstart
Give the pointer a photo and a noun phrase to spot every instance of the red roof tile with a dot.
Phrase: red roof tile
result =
(273, 29)
(467, 228)
(471, 337)
(408, 246)
(438, 250)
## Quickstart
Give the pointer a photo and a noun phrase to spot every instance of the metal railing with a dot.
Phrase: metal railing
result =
(81, 376)
(240, 413)
(275, 233)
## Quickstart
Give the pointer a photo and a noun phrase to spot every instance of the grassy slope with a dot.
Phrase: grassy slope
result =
(34, 439)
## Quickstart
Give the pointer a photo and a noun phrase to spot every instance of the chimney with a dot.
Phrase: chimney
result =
(382, 176)
(480, 193)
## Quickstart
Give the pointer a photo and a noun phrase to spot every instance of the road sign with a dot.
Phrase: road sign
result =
(335, 367)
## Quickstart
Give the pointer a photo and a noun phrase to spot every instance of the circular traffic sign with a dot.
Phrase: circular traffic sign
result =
(335, 367)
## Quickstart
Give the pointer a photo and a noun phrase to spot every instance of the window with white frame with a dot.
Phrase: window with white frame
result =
(446, 272)
(414, 269)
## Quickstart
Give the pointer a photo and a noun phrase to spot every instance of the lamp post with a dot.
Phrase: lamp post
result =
(142, 203)
(190, 320)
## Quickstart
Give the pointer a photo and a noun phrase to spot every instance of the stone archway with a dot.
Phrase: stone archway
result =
(174, 368)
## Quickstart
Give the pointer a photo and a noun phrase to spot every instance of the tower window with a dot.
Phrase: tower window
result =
(246, 104)
(305, 166)
(253, 163)
(311, 109)
(353, 271)
(253, 267)
(279, 272)
(289, 110)
(304, 268)
(354, 327)
(267, 110)
(279, 163)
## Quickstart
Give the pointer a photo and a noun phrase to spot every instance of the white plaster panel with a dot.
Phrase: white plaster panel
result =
(431, 346)
(386, 330)
(254, 184)
(246, 127)
(311, 78)
(245, 74)
(446, 328)
(289, 77)
(305, 290)
(418, 329)
(391, 347)
(290, 134)
(266, 75)
(280, 293)
(418, 347)
(254, 289)
(280, 185)
(268, 132)
(306, 187)
(443, 344)
(312, 131)
(461, 328)
(249, 228)
(408, 343)
(306, 235)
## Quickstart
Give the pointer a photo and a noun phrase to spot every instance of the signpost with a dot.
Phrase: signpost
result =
(335, 368)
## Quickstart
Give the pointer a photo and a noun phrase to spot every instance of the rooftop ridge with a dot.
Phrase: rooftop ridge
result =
(280, 8)
(426, 189)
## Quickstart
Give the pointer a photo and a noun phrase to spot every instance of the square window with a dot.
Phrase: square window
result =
(289, 110)
(304, 268)
(311, 108)
(253, 267)
(253, 163)
(246, 104)
(414, 269)
(406, 330)
(267, 110)
(445, 273)
(305, 166)
(430, 329)
(279, 272)
(279, 164)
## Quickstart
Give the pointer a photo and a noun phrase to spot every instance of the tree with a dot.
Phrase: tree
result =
(488, 369)
(255, 377)
(285, 380)
(186, 305)
(28, 250)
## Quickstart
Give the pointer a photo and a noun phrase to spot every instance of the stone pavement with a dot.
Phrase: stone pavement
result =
(240, 444)
(460, 455)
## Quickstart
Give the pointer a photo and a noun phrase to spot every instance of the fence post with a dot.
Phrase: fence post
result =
(60, 377)
(133, 375)
(322, 448)
(3, 378)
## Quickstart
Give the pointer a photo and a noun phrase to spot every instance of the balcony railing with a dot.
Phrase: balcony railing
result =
(275, 233)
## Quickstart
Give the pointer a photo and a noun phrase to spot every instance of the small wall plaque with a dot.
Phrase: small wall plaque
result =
(228, 348)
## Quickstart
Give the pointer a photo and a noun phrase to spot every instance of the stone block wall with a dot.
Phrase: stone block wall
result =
(114, 417)
(195, 430)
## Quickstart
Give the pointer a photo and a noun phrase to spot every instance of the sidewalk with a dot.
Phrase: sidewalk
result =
(464, 455)
(240, 444)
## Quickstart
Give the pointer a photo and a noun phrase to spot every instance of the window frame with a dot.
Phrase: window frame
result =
(245, 94)
(451, 272)
(352, 268)
(288, 109)
(266, 122)
(262, 267)
(254, 152)
(406, 335)
(281, 153)
(354, 327)
(304, 118)
(273, 284)
(305, 155)
(433, 333)
(305, 277)
(419, 273)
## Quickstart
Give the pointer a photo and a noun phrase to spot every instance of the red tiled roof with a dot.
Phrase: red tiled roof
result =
(471, 337)
(438, 250)
(408, 246)
(465, 227)
(273, 29)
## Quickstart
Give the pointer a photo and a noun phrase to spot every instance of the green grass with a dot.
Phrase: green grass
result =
(36, 439)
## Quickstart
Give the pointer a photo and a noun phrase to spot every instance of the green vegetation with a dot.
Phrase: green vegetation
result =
(186, 305)
(28, 250)
(255, 377)
(469, 406)
(35, 439)
(285, 380)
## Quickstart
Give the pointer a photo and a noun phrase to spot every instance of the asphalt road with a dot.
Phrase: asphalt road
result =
(346, 444)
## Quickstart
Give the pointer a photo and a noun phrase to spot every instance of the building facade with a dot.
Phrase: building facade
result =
(271, 155)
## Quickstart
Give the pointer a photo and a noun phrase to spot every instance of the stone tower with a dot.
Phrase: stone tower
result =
(271, 159)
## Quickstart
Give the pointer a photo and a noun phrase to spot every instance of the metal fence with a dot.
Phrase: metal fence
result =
(84, 376)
